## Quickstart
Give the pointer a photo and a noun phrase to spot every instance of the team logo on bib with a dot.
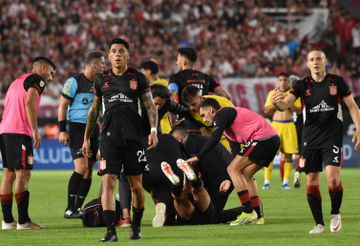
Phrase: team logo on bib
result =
(133, 84)
(333, 90)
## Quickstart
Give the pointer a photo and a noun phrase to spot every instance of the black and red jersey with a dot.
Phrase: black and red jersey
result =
(121, 98)
(322, 110)
(202, 81)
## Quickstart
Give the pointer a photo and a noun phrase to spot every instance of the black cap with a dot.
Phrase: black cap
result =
(150, 65)
(189, 53)
(119, 41)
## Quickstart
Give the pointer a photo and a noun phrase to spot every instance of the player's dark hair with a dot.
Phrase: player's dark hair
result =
(150, 65)
(176, 129)
(161, 91)
(43, 60)
(93, 55)
(189, 53)
(210, 102)
(189, 93)
(119, 41)
(283, 74)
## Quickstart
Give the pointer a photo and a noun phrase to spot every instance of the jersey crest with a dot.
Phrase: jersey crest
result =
(133, 84)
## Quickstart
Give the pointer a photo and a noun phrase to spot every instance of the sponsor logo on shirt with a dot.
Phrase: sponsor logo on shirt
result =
(121, 97)
(85, 101)
(322, 107)
(308, 93)
(333, 90)
(106, 84)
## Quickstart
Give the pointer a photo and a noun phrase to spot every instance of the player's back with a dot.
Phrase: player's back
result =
(15, 118)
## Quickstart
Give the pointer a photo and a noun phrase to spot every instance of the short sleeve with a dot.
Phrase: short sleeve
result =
(69, 89)
(34, 81)
(212, 84)
(268, 99)
(344, 89)
(143, 84)
(97, 87)
(297, 89)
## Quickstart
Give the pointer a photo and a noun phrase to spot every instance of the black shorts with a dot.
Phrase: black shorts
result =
(262, 151)
(76, 133)
(117, 155)
(200, 218)
(17, 151)
(316, 158)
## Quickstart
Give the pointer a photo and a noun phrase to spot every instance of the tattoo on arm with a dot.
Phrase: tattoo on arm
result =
(150, 108)
(92, 117)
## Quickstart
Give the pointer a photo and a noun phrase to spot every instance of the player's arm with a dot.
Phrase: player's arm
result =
(224, 118)
(269, 107)
(92, 117)
(62, 112)
(152, 113)
(355, 116)
(184, 112)
(31, 99)
(220, 91)
(282, 102)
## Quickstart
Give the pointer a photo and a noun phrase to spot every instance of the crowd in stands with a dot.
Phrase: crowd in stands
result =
(233, 38)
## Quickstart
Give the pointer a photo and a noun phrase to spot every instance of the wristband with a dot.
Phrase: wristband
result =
(153, 130)
(62, 125)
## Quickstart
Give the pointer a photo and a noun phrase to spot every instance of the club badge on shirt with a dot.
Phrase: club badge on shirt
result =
(133, 84)
(42, 83)
(333, 90)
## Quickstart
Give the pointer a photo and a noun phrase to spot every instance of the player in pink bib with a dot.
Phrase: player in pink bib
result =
(18, 133)
(242, 126)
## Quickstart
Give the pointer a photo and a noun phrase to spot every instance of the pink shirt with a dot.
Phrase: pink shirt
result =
(15, 118)
(247, 126)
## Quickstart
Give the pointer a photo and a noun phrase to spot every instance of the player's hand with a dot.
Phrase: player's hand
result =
(86, 149)
(153, 141)
(36, 138)
(64, 138)
(192, 160)
(277, 97)
(225, 185)
(178, 122)
(356, 139)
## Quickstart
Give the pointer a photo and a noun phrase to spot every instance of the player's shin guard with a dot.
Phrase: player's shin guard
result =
(256, 205)
(287, 171)
(245, 201)
(137, 216)
(83, 191)
(73, 189)
(281, 169)
(267, 173)
(6, 204)
(22, 200)
(109, 219)
(314, 200)
(336, 194)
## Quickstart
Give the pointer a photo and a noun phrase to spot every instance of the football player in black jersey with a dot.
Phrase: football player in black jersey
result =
(188, 75)
(322, 96)
(121, 92)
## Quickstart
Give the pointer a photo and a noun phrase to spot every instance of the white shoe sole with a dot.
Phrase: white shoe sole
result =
(186, 168)
(159, 218)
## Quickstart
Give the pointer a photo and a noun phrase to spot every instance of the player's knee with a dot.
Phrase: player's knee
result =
(8, 177)
(137, 188)
(333, 182)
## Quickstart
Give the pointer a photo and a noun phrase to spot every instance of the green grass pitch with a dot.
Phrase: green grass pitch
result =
(288, 218)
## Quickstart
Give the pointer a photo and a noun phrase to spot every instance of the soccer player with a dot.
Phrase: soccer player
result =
(241, 125)
(283, 123)
(187, 75)
(192, 98)
(322, 95)
(75, 101)
(150, 69)
(120, 92)
(19, 131)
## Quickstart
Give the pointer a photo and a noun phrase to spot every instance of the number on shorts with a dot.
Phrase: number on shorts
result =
(141, 156)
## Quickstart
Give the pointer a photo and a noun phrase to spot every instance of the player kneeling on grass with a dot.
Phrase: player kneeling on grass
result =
(240, 125)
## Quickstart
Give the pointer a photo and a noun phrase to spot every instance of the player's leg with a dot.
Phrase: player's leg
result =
(125, 201)
(256, 204)
(297, 175)
(6, 196)
(267, 176)
(287, 170)
(333, 160)
(108, 206)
